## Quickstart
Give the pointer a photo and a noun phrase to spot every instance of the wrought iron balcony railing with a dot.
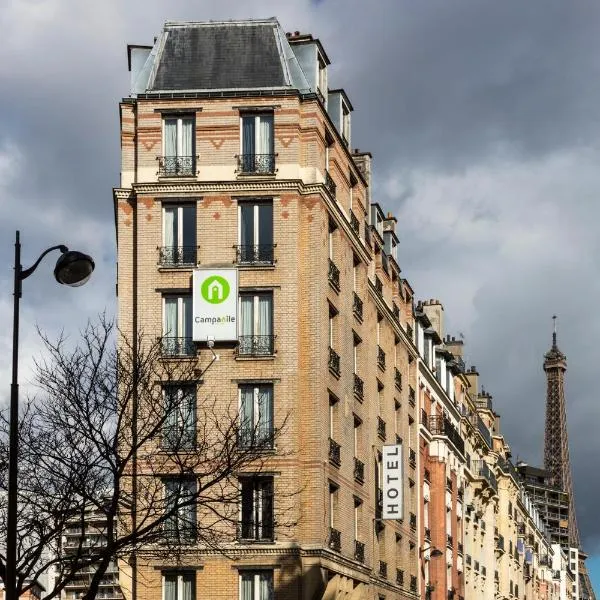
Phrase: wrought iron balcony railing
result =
(460, 548)
(380, 358)
(178, 346)
(359, 387)
(330, 184)
(413, 521)
(176, 166)
(354, 223)
(334, 276)
(335, 539)
(177, 256)
(256, 164)
(357, 307)
(480, 469)
(251, 530)
(398, 378)
(425, 419)
(359, 551)
(359, 470)
(383, 569)
(412, 458)
(381, 428)
(411, 396)
(334, 453)
(334, 362)
(252, 254)
(440, 425)
(256, 345)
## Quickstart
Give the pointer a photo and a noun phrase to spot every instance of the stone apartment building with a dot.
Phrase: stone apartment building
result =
(236, 154)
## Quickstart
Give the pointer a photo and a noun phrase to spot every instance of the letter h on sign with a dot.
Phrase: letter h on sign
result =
(392, 482)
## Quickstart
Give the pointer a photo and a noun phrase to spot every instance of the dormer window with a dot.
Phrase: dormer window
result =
(345, 124)
(322, 78)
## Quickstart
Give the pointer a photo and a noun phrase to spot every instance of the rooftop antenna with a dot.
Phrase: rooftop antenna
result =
(554, 333)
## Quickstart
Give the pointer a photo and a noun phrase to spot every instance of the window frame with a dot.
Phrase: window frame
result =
(259, 485)
(179, 118)
(256, 391)
(256, 574)
(180, 577)
(180, 426)
(188, 513)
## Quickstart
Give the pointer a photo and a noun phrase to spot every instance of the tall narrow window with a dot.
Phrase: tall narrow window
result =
(179, 235)
(256, 415)
(178, 147)
(256, 325)
(180, 523)
(177, 326)
(179, 585)
(256, 233)
(258, 155)
(256, 585)
(257, 508)
(179, 426)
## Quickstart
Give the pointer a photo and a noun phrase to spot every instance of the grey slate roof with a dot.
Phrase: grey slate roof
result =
(233, 55)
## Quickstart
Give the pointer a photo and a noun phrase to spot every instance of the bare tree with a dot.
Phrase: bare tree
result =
(125, 435)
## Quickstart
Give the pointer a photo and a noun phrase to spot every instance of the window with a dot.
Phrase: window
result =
(345, 123)
(178, 147)
(179, 426)
(256, 233)
(256, 324)
(256, 415)
(256, 585)
(180, 507)
(257, 144)
(333, 503)
(179, 585)
(257, 508)
(177, 325)
(179, 235)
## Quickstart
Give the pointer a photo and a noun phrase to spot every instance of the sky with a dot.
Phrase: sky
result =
(483, 119)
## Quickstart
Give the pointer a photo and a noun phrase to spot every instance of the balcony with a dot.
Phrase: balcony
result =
(334, 362)
(397, 379)
(449, 541)
(256, 345)
(176, 166)
(261, 254)
(399, 577)
(440, 425)
(500, 544)
(357, 307)
(411, 396)
(359, 471)
(334, 276)
(359, 388)
(334, 453)
(177, 256)
(335, 539)
(354, 223)
(359, 551)
(381, 428)
(413, 583)
(380, 358)
(413, 521)
(330, 184)
(484, 432)
(481, 470)
(468, 560)
(449, 483)
(412, 458)
(256, 164)
(383, 569)
(378, 286)
(178, 346)
(425, 419)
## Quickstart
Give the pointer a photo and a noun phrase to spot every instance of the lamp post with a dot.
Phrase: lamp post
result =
(435, 553)
(74, 269)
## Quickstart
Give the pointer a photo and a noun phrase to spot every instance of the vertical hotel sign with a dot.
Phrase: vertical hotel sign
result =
(392, 482)
(215, 305)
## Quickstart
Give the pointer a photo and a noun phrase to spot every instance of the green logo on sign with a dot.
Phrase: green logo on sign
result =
(215, 289)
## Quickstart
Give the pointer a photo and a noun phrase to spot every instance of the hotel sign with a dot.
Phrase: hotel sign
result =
(215, 305)
(392, 482)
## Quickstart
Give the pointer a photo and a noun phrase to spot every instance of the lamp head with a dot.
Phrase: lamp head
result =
(73, 268)
(435, 553)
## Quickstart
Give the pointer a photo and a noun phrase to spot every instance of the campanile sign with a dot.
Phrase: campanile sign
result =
(215, 305)
(393, 500)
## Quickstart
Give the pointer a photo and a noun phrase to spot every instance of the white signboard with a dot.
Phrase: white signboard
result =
(392, 482)
(215, 305)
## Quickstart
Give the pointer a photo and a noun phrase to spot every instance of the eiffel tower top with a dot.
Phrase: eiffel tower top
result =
(554, 357)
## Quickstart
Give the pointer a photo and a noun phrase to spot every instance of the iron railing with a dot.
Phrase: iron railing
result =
(449, 540)
(330, 184)
(398, 378)
(257, 164)
(383, 569)
(256, 530)
(177, 256)
(440, 425)
(380, 358)
(425, 419)
(481, 469)
(176, 166)
(335, 539)
(412, 458)
(357, 307)
(378, 286)
(255, 254)
(427, 533)
(334, 453)
(381, 428)
(359, 551)
(359, 470)
(334, 362)
(256, 345)
(413, 521)
(334, 275)
(399, 577)
(411, 396)
(178, 346)
(359, 387)
(354, 223)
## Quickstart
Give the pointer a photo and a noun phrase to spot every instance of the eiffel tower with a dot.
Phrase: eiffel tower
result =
(556, 452)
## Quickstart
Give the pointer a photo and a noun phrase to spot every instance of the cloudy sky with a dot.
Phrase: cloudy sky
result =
(483, 118)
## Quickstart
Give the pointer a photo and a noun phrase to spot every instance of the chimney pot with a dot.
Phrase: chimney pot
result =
(296, 33)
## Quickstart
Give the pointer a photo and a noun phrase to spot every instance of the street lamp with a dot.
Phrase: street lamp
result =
(435, 553)
(74, 269)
